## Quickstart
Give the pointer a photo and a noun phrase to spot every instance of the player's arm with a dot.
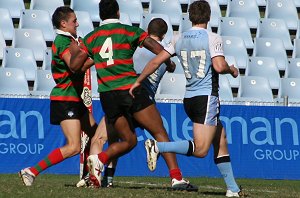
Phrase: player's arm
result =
(151, 66)
(220, 65)
(78, 58)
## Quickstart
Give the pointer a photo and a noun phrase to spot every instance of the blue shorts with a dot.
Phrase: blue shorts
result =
(203, 109)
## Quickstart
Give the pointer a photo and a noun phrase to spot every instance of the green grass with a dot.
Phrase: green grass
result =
(63, 186)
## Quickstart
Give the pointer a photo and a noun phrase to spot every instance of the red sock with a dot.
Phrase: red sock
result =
(53, 158)
(103, 157)
(176, 173)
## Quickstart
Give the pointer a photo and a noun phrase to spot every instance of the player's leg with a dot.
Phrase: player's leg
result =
(222, 160)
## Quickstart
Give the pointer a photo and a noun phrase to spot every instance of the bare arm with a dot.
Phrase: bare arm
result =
(151, 66)
(78, 58)
(220, 65)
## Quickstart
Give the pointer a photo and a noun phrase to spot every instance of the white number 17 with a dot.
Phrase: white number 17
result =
(200, 68)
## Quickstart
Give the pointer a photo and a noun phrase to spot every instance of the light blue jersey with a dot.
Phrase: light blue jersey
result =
(140, 58)
(195, 49)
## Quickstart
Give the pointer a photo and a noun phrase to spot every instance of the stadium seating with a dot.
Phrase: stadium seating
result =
(297, 3)
(225, 92)
(43, 83)
(289, 87)
(125, 19)
(6, 25)
(13, 81)
(271, 47)
(49, 6)
(2, 44)
(31, 39)
(293, 68)
(255, 89)
(274, 28)
(265, 67)
(21, 58)
(234, 46)
(236, 26)
(173, 85)
(223, 2)
(247, 9)
(85, 22)
(234, 82)
(90, 6)
(47, 59)
(172, 8)
(14, 7)
(261, 3)
(147, 17)
(133, 8)
(38, 19)
(296, 49)
(283, 9)
(186, 24)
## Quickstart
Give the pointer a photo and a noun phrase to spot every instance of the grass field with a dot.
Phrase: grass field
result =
(63, 186)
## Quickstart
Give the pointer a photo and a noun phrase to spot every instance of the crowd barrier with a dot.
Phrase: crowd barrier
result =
(263, 140)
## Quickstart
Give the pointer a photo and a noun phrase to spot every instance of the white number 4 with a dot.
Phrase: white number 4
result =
(107, 51)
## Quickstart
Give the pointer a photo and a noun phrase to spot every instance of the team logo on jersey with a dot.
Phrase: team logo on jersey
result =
(219, 47)
(70, 114)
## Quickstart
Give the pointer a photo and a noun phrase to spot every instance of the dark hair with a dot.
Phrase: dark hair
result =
(61, 13)
(157, 27)
(199, 12)
(108, 9)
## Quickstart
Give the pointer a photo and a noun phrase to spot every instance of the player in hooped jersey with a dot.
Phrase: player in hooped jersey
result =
(201, 55)
(66, 107)
(111, 46)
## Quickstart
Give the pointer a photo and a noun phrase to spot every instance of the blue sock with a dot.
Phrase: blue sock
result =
(184, 147)
(224, 165)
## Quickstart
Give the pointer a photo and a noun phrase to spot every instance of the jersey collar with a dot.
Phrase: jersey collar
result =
(108, 21)
(66, 34)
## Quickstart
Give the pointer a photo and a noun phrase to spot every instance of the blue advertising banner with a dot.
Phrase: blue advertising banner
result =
(263, 141)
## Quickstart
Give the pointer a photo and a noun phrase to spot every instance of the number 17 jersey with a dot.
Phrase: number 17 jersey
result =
(195, 49)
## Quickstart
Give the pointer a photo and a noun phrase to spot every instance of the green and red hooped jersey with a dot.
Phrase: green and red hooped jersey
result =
(69, 85)
(111, 46)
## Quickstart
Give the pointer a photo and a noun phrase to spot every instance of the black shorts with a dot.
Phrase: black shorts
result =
(65, 110)
(120, 103)
(203, 109)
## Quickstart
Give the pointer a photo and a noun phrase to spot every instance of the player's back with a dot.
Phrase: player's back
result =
(195, 48)
(111, 46)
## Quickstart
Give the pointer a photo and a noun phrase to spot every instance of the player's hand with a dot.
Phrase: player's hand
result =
(74, 48)
(234, 71)
(133, 87)
(171, 67)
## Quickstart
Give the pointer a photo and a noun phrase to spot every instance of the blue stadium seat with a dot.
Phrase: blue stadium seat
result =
(2, 44)
(265, 67)
(225, 92)
(172, 8)
(133, 8)
(215, 12)
(247, 9)
(14, 7)
(125, 19)
(90, 6)
(147, 17)
(274, 28)
(223, 2)
(85, 22)
(255, 89)
(297, 3)
(172, 84)
(285, 10)
(234, 46)
(13, 81)
(21, 58)
(261, 3)
(296, 49)
(289, 87)
(236, 26)
(43, 83)
(32, 39)
(38, 19)
(49, 6)
(6, 25)
(271, 47)
(293, 68)
(47, 59)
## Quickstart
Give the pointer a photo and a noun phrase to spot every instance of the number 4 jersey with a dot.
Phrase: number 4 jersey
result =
(111, 46)
(195, 49)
